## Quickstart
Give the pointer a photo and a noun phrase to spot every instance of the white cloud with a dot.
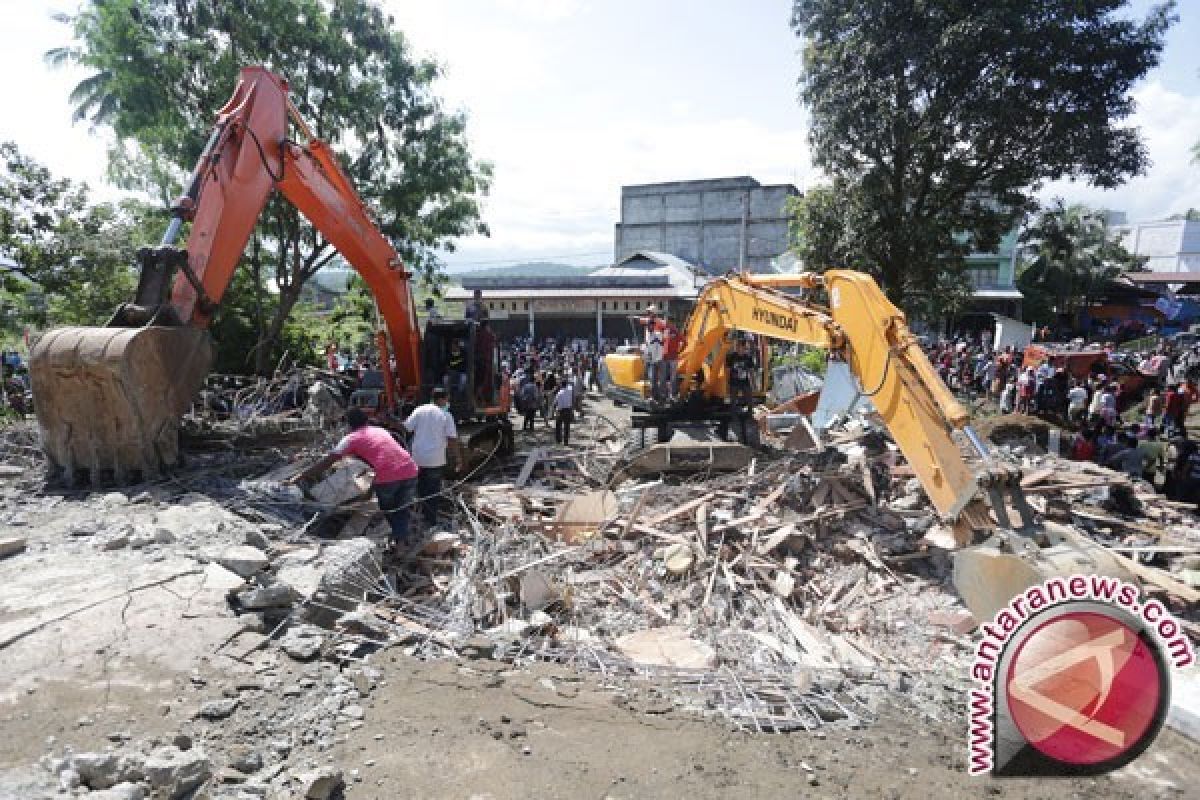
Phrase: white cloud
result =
(560, 191)
(1170, 126)
(541, 10)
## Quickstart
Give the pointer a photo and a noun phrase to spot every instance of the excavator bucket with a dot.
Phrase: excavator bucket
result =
(109, 400)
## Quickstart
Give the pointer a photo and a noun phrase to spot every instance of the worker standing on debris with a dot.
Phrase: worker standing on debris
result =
(739, 366)
(564, 413)
(433, 433)
(652, 350)
(395, 483)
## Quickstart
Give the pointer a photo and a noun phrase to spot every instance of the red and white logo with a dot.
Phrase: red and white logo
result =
(1084, 688)
(1073, 678)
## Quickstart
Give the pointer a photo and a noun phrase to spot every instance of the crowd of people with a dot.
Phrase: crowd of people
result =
(1134, 421)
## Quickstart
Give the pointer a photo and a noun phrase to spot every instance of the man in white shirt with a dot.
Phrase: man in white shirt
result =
(433, 432)
(1077, 399)
(564, 412)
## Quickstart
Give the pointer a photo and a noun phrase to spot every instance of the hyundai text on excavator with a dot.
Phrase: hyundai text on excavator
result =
(862, 330)
(109, 400)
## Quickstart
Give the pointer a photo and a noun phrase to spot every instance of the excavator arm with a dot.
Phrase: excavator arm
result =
(864, 329)
(109, 399)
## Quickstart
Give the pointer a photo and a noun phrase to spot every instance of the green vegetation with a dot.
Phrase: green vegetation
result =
(160, 69)
(812, 359)
(73, 258)
(937, 121)
(1066, 257)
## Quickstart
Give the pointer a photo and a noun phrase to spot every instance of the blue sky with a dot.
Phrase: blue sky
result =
(570, 99)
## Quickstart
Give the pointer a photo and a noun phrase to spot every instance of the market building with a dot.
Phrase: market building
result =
(599, 305)
(671, 237)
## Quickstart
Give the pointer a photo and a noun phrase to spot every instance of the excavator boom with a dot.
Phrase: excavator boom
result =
(108, 400)
(860, 327)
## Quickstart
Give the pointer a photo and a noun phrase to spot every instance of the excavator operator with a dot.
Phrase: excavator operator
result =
(456, 369)
(740, 366)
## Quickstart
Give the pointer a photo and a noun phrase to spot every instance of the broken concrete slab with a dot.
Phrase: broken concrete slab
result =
(303, 642)
(10, 546)
(173, 773)
(321, 783)
(346, 568)
(669, 646)
(243, 559)
(347, 481)
(304, 579)
(277, 595)
(218, 578)
(96, 770)
(218, 709)
(122, 791)
(581, 516)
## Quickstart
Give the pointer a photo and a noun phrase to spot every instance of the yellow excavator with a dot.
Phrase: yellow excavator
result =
(862, 330)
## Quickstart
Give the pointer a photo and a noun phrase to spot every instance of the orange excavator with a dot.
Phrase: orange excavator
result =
(109, 400)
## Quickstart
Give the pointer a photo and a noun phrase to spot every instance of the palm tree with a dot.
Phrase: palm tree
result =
(1066, 256)
(92, 97)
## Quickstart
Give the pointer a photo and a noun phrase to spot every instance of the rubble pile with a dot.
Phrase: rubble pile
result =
(798, 592)
(764, 597)
(289, 408)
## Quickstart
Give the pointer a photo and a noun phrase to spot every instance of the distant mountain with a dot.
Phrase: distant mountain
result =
(533, 269)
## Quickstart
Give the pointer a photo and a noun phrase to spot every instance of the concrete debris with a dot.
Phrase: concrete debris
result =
(243, 560)
(321, 784)
(121, 791)
(218, 578)
(274, 596)
(349, 480)
(303, 642)
(173, 773)
(218, 709)
(12, 545)
(96, 770)
(669, 646)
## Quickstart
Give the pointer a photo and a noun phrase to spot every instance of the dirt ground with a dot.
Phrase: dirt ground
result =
(483, 729)
(136, 666)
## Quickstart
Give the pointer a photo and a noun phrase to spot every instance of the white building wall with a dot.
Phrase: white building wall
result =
(1168, 246)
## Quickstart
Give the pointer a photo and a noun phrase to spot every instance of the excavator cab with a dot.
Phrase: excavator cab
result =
(461, 356)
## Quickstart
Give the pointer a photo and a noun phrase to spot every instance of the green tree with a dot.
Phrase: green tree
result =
(75, 258)
(1066, 257)
(938, 119)
(161, 69)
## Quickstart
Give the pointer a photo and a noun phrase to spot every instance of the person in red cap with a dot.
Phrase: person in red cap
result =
(652, 350)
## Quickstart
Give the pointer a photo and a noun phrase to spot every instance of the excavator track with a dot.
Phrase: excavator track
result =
(108, 400)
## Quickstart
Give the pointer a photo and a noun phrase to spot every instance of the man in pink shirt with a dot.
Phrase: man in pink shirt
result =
(395, 481)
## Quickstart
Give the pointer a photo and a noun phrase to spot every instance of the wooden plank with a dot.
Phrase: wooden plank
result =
(634, 514)
(702, 524)
(1147, 574)
(1067, 487)
(777, 538)
(763, 505)
(657, 534)
(1037, 476)
(1157, 548)
(680, 510)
